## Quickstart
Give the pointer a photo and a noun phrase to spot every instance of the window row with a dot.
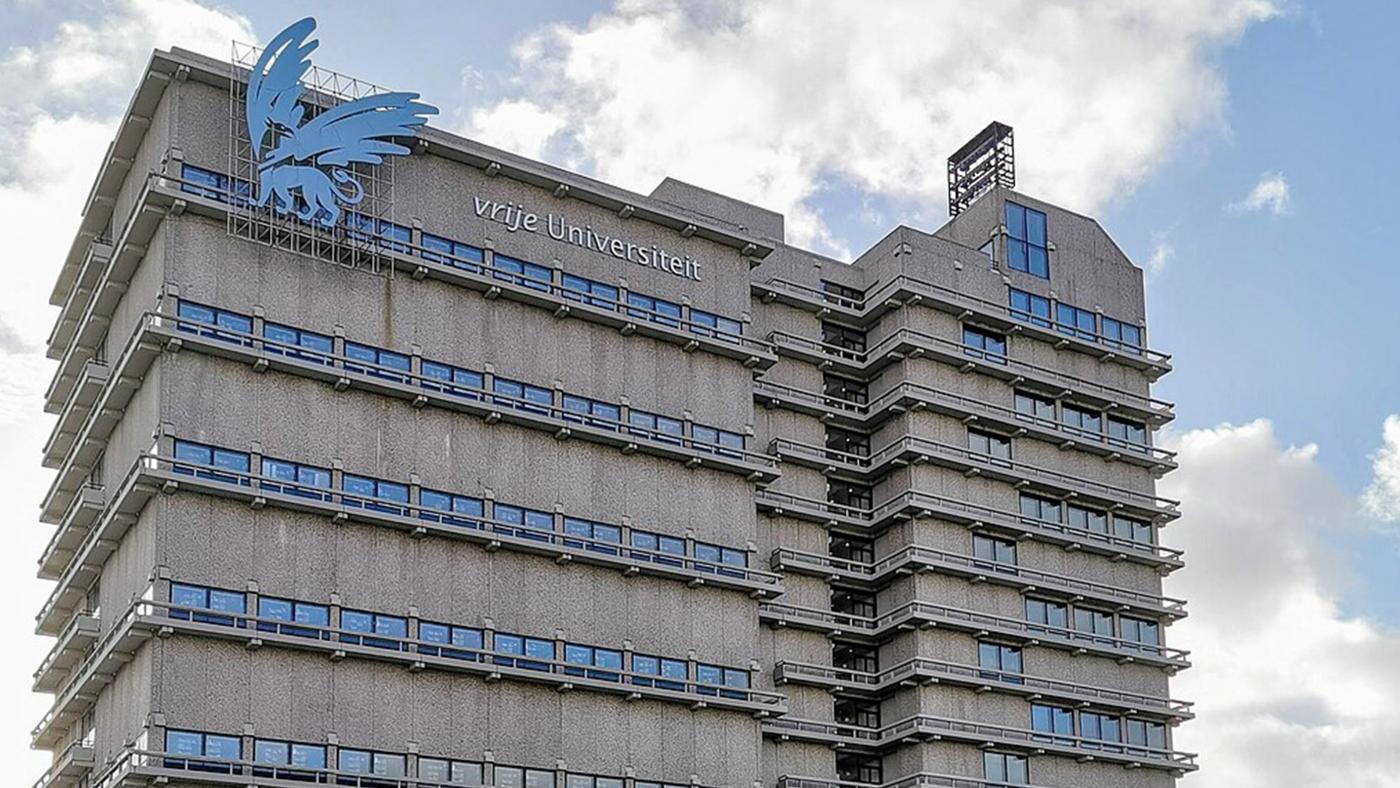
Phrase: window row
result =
(288, 760)
(456, 381)
(1081, 420)
(1091, 621)
(298, 618)
(447, 251)
(1076, 322)
(1096, 726)
(1096, 521)
(390, 497)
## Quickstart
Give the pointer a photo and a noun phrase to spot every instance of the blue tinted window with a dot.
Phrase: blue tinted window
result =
(188, 596)
(510, 644)
(1076, 322)
(356, 621)
(1026, 240)
(984, 344)
(193, 452)
(280, 609)
(226, 747)
(355, 761)
(191, 314)
(1030, 308)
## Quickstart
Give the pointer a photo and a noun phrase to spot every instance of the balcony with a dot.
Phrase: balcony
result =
(148, 617)
(91, 381)
(65, 327)
(921, 671)
(926, 727)
(906, 290)
(72, 647)
(105, 413)
(916, 558)
(157, 333)
(914, 503)
(88, 503)
(153, 474)
(909, 396)
(97, 544)
(920, 780)
(928, 615)
(913, 450)
(69, 768)
(908, 343)
(80, 691)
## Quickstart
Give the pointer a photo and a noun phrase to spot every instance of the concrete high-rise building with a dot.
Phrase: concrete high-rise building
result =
(512, 477)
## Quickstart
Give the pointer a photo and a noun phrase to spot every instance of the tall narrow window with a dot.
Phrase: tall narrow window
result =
(1026, 246)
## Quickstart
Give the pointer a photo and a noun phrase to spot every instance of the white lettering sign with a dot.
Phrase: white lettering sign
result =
(514, 218)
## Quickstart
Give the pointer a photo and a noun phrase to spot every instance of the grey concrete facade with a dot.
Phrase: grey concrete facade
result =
(826, 596)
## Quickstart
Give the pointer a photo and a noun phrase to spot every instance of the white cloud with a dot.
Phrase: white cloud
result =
(62, 100)
(773, 102)
(1290, 692)
(1382, 498)
(1270, 194)
(1163, 250)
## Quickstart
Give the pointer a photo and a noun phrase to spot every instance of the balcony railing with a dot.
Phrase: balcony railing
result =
(165, 191)
(916, 503)
(910, 343)
(147, 617)
(915, 396)
(905, 289)
(918, 613)
(920, 780)
(977, 678)
(153, 473)
(927, 726)
(913, 449)
(79, 692)
(70, 767)
(961, 565)
(157, 332)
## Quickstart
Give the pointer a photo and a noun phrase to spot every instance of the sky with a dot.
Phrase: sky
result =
(1238, 150)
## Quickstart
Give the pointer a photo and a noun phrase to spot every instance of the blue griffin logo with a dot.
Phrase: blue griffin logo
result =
(294, 158)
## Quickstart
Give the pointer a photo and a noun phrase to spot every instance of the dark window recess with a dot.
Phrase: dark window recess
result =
(847, 442)
(841, 292)
(857, 496)
(853, 603)
(851, 548)
(857, 768)
(853, 657)
(865, 714)
(846, 389)
(844, 337)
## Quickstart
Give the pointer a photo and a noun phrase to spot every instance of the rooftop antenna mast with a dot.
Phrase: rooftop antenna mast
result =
(985, 161)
